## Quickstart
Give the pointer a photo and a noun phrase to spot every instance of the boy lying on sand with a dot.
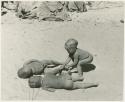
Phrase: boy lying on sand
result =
(50, 81)
(36, 67)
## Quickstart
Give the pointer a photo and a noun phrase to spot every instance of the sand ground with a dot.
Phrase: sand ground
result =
(98, 31)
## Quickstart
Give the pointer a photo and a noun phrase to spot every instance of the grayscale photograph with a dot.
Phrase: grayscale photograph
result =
(62, 50)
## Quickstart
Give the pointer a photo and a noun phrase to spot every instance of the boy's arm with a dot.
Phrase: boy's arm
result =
(75, 62)
(49, 89)
(67, 61)
(51, 66)
(55, 63)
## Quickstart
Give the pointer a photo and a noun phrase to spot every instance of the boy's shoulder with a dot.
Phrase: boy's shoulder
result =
(80, 51)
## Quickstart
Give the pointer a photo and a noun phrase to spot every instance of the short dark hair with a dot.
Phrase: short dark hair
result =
(71, 42)
(24, 73)
(35, 81)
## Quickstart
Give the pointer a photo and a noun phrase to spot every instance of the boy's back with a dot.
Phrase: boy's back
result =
(36, 67)
(81, 54)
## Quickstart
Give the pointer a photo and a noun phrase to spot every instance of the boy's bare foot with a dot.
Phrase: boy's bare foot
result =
(89, 85)
(96, 84)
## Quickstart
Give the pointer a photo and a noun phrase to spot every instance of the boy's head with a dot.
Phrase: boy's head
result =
(35, 81)
(25, 73)
(71, 45)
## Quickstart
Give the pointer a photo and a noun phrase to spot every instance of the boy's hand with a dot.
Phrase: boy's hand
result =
(43, 65)
(69, 72)
(67, 67)
(49, 89)
(62, 67)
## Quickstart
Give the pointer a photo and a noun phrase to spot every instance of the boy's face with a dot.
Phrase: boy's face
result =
(71, 50)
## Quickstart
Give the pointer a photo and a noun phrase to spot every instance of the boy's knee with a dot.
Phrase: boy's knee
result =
(81, 63)
(91, 58)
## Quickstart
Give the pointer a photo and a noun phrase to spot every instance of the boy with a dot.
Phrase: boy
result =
(36, 67)
(50, 82)
(78, 56)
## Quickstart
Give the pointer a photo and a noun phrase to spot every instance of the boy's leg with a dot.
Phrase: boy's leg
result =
(80, 85)
(51, 62)
(56, 62)
(55, 70)
(83, 62)
(80, 72)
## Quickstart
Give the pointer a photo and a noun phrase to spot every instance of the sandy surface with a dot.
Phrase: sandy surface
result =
(98, 31)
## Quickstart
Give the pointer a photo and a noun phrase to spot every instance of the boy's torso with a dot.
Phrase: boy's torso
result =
(81, 53)
(57, 82)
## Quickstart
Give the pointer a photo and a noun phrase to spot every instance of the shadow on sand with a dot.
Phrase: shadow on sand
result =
(88, 67)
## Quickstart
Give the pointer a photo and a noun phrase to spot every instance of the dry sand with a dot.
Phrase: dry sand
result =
(98, 31)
